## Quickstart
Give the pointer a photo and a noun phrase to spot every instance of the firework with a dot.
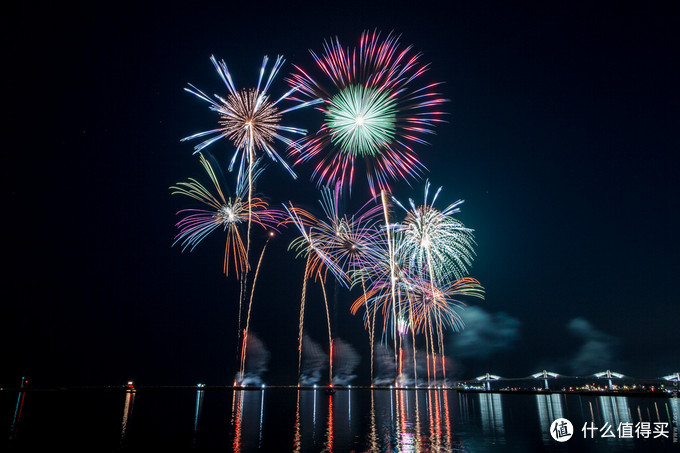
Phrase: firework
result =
(225, 212)
(339, 243)
(307, 245)
(346, 241)
(248, 117)
(432, 308)
(374, 109)
(438, 305)
(380, 287)
(433, 242)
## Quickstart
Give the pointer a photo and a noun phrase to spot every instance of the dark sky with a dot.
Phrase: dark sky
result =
(562, 138)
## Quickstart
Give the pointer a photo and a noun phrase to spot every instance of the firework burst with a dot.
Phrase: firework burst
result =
(373, 109)
(434, 242)
(248, 118)
(439, 305)
(345, 240)
(226, 212)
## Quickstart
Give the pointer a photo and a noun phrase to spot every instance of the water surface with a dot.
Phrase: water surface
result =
(360, 420)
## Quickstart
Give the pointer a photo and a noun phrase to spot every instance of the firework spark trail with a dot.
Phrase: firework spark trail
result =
(415, 366)
(375, 312)
(413, 336)
(371, 325)
(427, 355)
(330, 337)
(440, 335)
(309, 243)
(250, 306)
(390, 247)
(251, 159)
(432, 351)
(302, 318)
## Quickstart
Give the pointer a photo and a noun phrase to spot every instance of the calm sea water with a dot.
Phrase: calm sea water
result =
(360, 420)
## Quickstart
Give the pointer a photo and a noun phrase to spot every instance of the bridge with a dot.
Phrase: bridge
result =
(614, 381)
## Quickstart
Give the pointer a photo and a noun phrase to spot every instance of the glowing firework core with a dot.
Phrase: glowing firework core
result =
(361, 120)
(248, 116)
(424, 224)
(226, 214)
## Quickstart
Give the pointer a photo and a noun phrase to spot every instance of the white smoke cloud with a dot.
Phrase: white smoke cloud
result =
(484, 334)
(345, 361)
(385, 367)
(596, 352)
(257, 359)
(314, 361)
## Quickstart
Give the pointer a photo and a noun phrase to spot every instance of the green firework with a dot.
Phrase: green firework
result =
(362, 121)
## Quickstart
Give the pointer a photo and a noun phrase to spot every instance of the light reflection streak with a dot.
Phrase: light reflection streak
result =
(324, 433)
(405, 420)
(426, 422)
(237, 418)
(247, 419)
(464, 406)
(656, 408)
(549, 409)
(314, 416)
(417, 427)
(349, 407)
(491, 410)
(197, 414)
(447, 423)
(328, 445)
(392, 404)
(373, 446)
(614, 410)
(405, 431)
(17, 414)
(127, 412)
(297, 441)
(261, 416)
(437, 421)
(404, 438)
(428, 401)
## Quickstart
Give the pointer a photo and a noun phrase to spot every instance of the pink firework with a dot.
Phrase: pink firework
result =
(374, 108)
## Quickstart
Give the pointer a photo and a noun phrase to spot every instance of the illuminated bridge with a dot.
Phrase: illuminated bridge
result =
(548, 381)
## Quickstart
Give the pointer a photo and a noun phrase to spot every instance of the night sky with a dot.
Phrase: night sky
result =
(562, 137)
